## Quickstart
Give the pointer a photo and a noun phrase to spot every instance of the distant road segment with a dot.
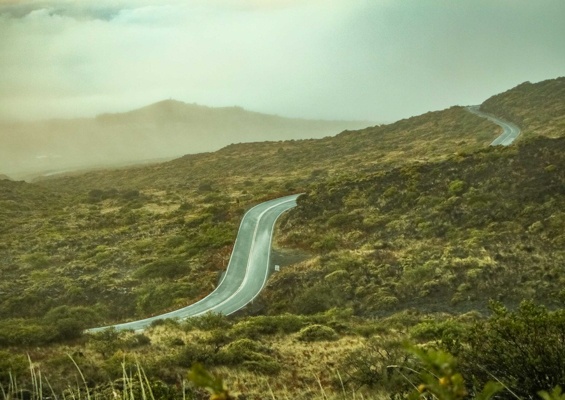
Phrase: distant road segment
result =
(510, 131)
(247, 271)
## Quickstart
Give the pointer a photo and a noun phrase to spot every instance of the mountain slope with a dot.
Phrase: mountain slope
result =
(419, 219)
(442, 236)
(538, 108)
(431, 136)
(166, 129)
(155, 236)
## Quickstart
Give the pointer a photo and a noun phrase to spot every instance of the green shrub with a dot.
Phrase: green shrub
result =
(457, 187)
(176, 341)
(315, 299)
(207, 322)
(524, 349)
(316, 333)
(246, 350)
(70, 322)
(254, 327)
(435, 330)
(137, 340)
(169, 267)
(269, 367)
(197, 353)
(379, 364)
(12, 365)
(170, 322)
(25, 332)
(106, 342)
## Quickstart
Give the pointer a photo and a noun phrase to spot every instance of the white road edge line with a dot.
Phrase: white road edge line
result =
(165, 315)
(246, 277)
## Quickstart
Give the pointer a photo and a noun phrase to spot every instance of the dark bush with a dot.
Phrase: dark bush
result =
(254, 327)
(269, 367)
(24, 332)
(316, 333)
(12, 365)
(380, 364)
(197, 353)
(524, 349)
(207, 322)
(170, 268)
(70, 322)
(250, 354)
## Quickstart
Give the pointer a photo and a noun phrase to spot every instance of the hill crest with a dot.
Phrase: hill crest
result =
(163, 130)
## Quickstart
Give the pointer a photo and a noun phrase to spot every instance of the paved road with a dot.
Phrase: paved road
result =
(510, 131)
(247, 270)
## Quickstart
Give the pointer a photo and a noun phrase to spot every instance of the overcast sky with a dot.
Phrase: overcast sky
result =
(378, 60)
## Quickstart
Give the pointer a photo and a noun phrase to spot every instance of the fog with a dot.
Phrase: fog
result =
(160, 131)
(341, 59)
(370, 60)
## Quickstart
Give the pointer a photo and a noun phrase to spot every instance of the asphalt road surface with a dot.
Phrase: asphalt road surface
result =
(247, 271)
(510, 131)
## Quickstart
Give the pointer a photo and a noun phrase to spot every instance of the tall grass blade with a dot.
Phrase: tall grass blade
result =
(4, 395)
(55, 397)
(141, 371)
(342, 385)
(324, 396)
(82, 377)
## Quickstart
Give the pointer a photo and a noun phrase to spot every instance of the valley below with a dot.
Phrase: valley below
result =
(158, 132)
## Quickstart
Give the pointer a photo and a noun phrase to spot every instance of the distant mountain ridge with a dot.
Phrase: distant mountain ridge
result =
(165, 129)
(428, 137)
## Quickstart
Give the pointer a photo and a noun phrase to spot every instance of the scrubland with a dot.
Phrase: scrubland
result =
(413, 243)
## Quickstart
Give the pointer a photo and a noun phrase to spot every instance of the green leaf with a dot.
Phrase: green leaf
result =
(556, 394)
(201, 377)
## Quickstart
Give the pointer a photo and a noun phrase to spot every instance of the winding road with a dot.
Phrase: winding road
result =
(248, 268)
(510, 131)
(247, 271)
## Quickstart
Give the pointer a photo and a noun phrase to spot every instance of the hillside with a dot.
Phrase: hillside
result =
(538, 108)
(156, 236)
(432, 237)
(182, 199)
(162, 130)
(406, 232)
(431, 136)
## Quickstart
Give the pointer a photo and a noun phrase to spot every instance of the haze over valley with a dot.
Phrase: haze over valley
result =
(162, 130)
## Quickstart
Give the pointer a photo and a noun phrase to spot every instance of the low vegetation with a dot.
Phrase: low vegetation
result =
(445, 236)
(123, 253)
(418, 263)
(510, 353)
(538, 108)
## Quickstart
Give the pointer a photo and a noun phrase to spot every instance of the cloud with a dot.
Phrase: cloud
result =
(365, 59)
(109, 9)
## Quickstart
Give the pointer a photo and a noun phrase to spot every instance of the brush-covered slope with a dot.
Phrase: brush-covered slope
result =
(538, 108)
(446, 236)
(21, 199)
(431, 136)
(166, 129)
(137, 241)
(403, 219)
(119, 252)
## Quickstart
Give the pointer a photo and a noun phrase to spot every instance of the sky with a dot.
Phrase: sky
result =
(375, 60)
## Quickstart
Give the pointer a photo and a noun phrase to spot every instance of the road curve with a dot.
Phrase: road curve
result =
(510, 131)
(247, 271)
